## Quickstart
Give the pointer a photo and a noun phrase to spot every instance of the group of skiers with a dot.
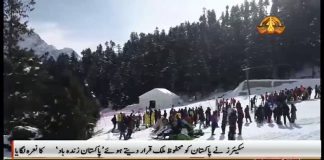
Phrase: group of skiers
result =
(274, 103)
(126, 124)
(233, 114)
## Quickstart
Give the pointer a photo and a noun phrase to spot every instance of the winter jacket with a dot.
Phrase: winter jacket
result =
(247, 113)
(232, 119)
(293, 111)
(146, 119)
(122, 127)
(240, 116)
(119, 117)
(153, 118)
(214, 120)
(285, 109)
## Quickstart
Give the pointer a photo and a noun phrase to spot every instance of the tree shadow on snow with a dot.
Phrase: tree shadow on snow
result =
(222, 137)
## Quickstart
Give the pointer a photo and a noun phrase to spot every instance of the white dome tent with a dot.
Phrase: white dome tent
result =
(163, 98)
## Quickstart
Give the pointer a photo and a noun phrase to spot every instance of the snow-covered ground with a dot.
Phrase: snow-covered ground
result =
(306, 127)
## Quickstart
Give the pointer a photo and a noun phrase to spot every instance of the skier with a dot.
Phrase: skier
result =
(309, 90)
(122, 129)
(147, 119)
(259, 114)
(240, 116)
(214, 119)
(195, 118)
(279, 114)
(285, 111)
(156, 115)
(262, 99)
(152, 122)
(319, 91)
(201, 117)
(316, 91)
(238, 105)
(119, 119)
(208, 114)
(267, 112)
(293, 113)
(224, 120)
(252, 104)
(114, 121)
(129, 124)
(247, 114)
(165, 114)
(302, 89)
(232, 125)
(138, 121)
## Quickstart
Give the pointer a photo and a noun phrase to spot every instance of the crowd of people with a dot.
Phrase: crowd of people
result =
(272, 107)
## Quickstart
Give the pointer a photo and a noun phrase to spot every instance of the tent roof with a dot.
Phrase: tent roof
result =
(159, 90)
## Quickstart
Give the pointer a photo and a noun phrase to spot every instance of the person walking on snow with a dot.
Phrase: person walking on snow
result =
(293, 113)
(240, 116)
(316, 91)
(247, 114)
(285, 112)
(224, 120)
(232, 125)
(309, 90)
(114, 121)
(119, 119)
(214, 119)
(122, 129)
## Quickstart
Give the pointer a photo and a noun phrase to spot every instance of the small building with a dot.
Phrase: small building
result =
(160, 97)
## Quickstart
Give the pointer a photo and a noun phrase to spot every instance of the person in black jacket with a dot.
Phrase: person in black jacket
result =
(267, 112)
(285, 112)
(114, 121)
(208, 115)
(293, 113)
(247, 114)
(224, 120)
(201, 117)
(258, 115)
(316, 91)
(232, 125)
(122, 128)
(240, 116)
(309, 90)
(279, 114)
(165, 114)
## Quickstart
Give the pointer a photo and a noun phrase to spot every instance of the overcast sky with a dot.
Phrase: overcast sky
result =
(80, 24)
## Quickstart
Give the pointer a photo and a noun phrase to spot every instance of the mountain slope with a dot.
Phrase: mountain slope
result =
(307, 126)
(40, 47)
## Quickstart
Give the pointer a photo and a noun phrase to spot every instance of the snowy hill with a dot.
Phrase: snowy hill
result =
(40, 47)
(306, 127)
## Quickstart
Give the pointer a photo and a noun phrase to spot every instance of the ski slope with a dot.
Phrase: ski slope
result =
(306, 127)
